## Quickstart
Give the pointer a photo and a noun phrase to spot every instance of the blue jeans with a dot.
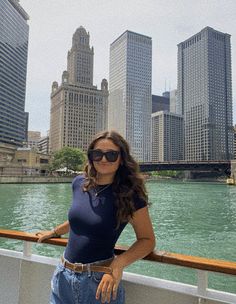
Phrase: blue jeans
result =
(69, 287)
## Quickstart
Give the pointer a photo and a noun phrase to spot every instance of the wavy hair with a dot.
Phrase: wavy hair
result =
(128, 182)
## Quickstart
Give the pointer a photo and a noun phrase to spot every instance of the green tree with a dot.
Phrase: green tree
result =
(69, 158)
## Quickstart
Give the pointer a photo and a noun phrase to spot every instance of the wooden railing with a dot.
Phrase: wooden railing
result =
(222, 266)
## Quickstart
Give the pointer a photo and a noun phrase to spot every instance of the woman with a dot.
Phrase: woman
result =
(109, 195)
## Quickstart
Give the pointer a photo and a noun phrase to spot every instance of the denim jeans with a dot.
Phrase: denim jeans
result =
(69, 287)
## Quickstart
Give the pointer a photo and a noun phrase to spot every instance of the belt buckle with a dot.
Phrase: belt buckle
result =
(76, 265)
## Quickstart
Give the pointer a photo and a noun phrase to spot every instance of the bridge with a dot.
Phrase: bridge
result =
(210, 166)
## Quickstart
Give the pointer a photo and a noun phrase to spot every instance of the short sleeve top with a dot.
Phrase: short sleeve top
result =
(93, 224)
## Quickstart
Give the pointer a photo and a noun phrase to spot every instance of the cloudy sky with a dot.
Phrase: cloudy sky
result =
(53, 22)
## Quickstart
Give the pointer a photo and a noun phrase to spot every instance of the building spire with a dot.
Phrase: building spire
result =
(80, 59)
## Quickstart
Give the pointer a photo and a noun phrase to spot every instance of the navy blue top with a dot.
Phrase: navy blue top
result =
(93, 231)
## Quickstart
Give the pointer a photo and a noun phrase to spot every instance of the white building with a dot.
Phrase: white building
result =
(43, 145)
(167, 136)
(130, 98)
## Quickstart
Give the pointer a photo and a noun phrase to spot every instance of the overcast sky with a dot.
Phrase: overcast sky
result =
(53, 22)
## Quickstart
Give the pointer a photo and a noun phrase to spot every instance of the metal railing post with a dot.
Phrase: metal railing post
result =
(202, 284)
(27, 249)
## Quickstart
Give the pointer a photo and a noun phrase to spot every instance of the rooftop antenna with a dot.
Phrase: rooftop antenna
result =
(165, 85)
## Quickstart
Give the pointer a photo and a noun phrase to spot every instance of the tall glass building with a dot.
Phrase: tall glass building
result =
(130, 97)
(14, 32)
(205, 93)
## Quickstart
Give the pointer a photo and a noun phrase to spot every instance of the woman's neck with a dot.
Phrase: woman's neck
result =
(104, 179)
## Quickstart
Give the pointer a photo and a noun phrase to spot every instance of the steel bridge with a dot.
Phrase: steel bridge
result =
(210, 166)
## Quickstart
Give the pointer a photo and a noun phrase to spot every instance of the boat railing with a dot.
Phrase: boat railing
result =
(201, 264)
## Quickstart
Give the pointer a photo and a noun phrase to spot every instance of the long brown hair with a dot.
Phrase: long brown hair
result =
(128, 182)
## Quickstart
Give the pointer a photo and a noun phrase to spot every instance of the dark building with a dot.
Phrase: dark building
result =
(235, 142)
(14, 32)
(26, 127)
(205, 95)
(166, 94)
(160, 103)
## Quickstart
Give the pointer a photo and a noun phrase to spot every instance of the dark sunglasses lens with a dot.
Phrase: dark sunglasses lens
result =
(112, 156)
(95, 155)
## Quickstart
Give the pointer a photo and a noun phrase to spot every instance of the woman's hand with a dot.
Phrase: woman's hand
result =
(44, 235)
(56, 232)
(109, 284)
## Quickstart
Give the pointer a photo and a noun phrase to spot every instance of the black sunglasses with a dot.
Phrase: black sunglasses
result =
(97, 155)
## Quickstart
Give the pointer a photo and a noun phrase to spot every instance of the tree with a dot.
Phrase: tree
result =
(69, 158)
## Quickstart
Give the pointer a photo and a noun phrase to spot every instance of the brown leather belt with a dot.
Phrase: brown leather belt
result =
(78, 267)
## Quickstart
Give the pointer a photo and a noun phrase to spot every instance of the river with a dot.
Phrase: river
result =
(192, 218)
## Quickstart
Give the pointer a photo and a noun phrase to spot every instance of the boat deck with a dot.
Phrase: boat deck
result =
(25, 277)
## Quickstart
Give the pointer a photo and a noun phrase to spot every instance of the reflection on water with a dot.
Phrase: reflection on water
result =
(190, 218)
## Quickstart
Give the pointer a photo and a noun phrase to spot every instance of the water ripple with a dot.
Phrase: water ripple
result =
(189, 218)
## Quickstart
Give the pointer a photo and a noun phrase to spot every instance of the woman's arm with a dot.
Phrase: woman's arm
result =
(56, 232)
(144, 244)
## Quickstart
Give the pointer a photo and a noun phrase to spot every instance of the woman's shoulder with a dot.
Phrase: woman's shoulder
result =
(138, 201)
(78, 181)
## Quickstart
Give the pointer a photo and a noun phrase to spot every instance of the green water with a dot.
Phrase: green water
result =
(190, 218)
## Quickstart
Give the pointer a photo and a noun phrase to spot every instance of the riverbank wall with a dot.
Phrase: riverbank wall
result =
(35, 179)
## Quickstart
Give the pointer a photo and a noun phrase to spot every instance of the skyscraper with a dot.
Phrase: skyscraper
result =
(14, 32)
(160, 103)
(130, 99)
(175, 106)
(78, 108)
(205, 93)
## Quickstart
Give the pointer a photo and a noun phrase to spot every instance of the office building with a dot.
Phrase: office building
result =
(205, 94)
(14, 32)
(235, 142)
(43, 145)
(167, 136)
(130, 98)
(33, 139)
(166, 94)
(175, 105)
(78, 108)
(26, 114)
(160, 103)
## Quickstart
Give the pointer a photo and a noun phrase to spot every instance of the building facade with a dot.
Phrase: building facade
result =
(130, 98)
(167, 136)
(78, 108)
(235, 142)
(33, 139)
(175, 106)
(14, 32)
(160, 103)
(43, 145)
(205, 94)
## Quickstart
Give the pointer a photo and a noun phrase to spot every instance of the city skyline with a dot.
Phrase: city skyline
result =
(167, 23)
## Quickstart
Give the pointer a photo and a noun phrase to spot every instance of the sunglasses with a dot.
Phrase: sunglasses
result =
(97, 155)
